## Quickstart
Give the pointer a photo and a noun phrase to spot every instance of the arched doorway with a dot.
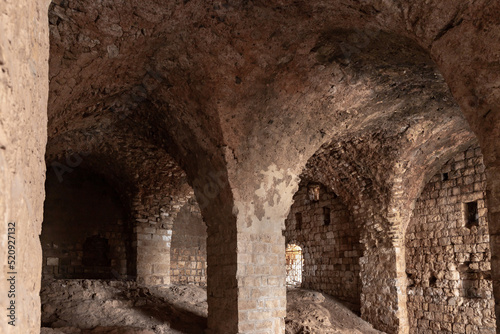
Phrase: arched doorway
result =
(294, 265)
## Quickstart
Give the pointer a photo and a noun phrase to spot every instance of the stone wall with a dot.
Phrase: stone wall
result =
(448, 252)
(85, 232)
(331, 245)
(188, 253)
(154, 216)
(24, 52)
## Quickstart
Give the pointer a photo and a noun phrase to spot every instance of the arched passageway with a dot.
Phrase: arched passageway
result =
(248, 92)
(188, 252)
(86, 231)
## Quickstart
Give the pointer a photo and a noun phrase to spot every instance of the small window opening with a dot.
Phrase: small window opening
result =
(410, 280)
(445, 177)
(471, 289)
(298, 221)
(471, 283)
(432, 281)
(326, 216)
(471, 214)
(313, 192)
(294, 265)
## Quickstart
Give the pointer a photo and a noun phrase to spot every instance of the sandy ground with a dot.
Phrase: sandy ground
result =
(116, 307)
(313, 312)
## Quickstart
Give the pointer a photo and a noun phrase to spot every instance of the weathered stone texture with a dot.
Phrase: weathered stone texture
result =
(154, 217)
(448, 256)
(24, 46)
(188, 252)
(331, 251)
(261, 283)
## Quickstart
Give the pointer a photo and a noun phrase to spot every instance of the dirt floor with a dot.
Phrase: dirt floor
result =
(118, 307)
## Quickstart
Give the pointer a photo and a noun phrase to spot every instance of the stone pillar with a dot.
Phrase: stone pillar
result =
(222, 287)
(383, 275)
(261, 279)
(24, 53)
(246, 252)
(153, 235)
(379, 298)
(246, 281)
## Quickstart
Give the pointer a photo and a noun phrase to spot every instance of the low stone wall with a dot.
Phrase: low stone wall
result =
(448, 252)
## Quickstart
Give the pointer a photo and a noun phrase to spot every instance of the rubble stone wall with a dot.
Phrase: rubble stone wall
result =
(448, 252)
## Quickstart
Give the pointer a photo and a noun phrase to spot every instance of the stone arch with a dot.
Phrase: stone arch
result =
(148, 180)
(460, 36)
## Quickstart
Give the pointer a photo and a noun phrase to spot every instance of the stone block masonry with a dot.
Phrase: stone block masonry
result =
(188, 253)
(330, 242)
(448, 252)
(261, 282)
(154, 216)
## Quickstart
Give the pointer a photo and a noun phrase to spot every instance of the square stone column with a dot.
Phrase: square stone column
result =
(246, 283)
(246, 253)
(153, 236)
(261, 276)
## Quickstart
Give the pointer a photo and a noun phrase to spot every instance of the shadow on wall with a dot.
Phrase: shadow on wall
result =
(84, 231)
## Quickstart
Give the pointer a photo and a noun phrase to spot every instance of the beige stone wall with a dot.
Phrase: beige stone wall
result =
(448, 257)
(331, 252)
(23, 123)
(154, 216)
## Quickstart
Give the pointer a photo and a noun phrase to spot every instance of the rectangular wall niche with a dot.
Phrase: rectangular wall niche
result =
(298, 220)
(471, 214)
(326, 216)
